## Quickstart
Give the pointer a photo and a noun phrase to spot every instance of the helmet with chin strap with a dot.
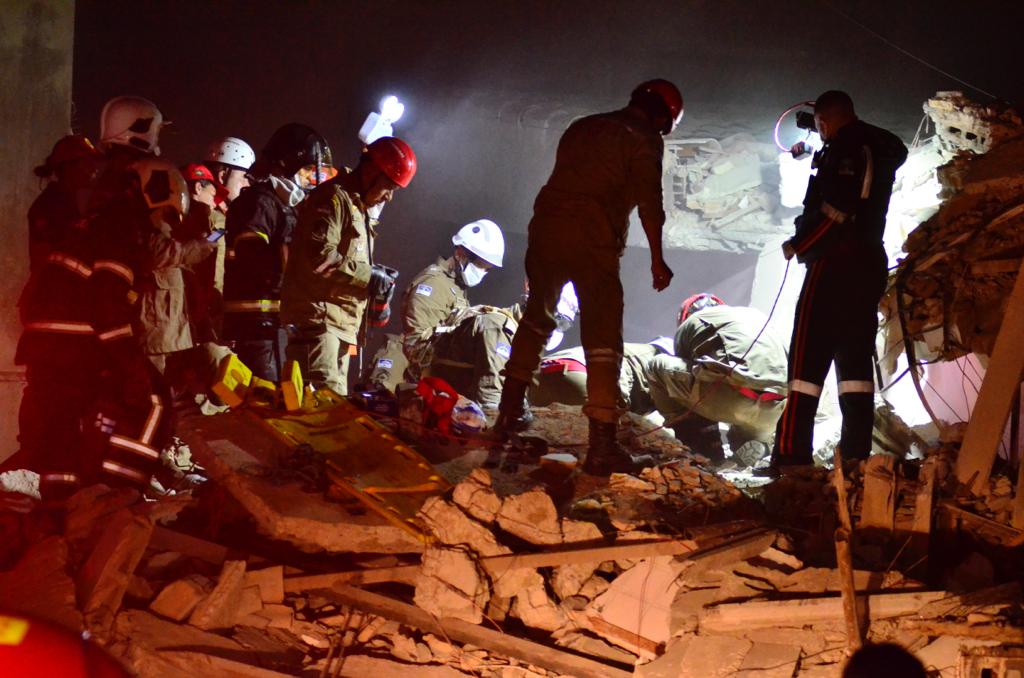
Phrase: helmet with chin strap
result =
(484, 239)
(697, 302)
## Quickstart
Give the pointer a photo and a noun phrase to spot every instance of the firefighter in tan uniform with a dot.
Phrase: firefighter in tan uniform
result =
(606, 165)
(433, 296)
(330, 267)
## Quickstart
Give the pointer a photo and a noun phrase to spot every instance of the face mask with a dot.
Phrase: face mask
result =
(472, 274)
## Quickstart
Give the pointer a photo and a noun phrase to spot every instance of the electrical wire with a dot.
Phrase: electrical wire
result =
(903, 51)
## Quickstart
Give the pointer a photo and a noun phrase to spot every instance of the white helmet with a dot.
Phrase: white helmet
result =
(231, 151)
(484, 239)
(162, 184)
(131, 121)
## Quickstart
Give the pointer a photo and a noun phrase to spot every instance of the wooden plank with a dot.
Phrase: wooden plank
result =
(878, 508)
(405, 574)
(981, 527)
(1004, 634)
(164, 539)
(962, 604)
(464, 632)
(1001, 383)
(844, 557)
(759, 614)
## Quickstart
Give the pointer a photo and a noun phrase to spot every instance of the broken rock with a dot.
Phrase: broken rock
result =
(531, 516)
(219, 609)
(450, 584)
(567, 580)
(475, 496)
(536, 609)
(178, 599)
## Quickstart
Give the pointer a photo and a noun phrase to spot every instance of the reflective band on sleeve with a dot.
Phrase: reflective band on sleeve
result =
(603, 355)
(869, 173)
(253, 235)
(69, 478)
(60, 328)
(805, 387)
(832, 213)
(116, 333)
(115, 267)
(856, 387)
(134, 446)
(123, 471)
(70, 263)
(153, 420)
(256, 306)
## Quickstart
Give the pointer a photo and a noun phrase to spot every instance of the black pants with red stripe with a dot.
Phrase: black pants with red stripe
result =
(836, 320)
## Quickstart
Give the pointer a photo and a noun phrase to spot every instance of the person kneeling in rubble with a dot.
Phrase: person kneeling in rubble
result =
(470, 349)
(728, 367)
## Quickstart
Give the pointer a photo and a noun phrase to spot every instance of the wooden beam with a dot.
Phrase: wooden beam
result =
(405, 574)
(1001, 383)
(844, 558)
(464, 632)
(982, 527)
(164, 539)
(1004, 634)
(760, 614)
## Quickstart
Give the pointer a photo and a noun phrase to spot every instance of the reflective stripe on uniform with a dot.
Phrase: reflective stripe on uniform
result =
(869, 173)
(134, 446)
(153, 420)
(832, 213)
(115, 267)
(602, 355)
(258, 306)
(116, 333)
(70, 263)
(806, 387)
(69, 478)
(250, 235)
(121, 470)
(60, 327)
(856, 387)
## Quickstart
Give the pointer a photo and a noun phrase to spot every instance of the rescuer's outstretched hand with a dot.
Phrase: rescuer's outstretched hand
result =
(661, 274)
(787, 250)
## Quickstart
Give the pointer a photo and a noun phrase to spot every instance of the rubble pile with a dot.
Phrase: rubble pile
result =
(961, 263)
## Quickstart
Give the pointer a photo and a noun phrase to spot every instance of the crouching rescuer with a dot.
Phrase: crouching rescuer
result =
(839, 238)
(606, 165)
(330, 277)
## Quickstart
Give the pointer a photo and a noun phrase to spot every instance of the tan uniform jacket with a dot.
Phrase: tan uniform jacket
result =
(432, 296)
(329, 265)
(472, 355)
(606, 165)
(570, 388)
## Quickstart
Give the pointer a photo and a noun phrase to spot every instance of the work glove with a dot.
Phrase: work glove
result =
(381, 289)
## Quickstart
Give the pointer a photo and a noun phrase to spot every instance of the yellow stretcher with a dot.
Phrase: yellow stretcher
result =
(365, 461)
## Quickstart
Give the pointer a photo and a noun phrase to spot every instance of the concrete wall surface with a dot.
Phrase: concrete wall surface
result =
(36, 40)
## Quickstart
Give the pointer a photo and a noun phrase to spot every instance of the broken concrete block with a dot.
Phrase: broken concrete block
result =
(88, 509)
(280, 616)
(567, 580)
(510, 582)
(531, 516)
(781, 558)
(249, 602)
(270, 581)
(105, 576)
(39, 585)
(219, 609)
(475, 496)
(453, 527)
(698, 657)
(626, 482)
(536, 609)
(178, 599)
(450, 584)
(769, 660)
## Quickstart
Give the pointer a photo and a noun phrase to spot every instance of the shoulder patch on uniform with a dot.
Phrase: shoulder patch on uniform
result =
(425, 290)
(385, 363)
(503, 350)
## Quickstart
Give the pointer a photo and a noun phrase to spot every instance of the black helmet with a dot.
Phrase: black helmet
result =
(294, 146)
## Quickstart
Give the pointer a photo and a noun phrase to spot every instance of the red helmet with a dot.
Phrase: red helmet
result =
(33, 648)
(70, 148)
(696, 303)
(395, 158)
(197, 172)
(669, 95)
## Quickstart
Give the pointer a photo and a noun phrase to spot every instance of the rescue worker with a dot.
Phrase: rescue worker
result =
(259, 229)
(129, 130)
(229, 160)
(330, 271)
(71, 167)
(432, 296)
(203, 298)
(606, 164)
(728, 368)
(839, 238)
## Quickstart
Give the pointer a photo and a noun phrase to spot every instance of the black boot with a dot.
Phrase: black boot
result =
(605, 456)
(513, 411)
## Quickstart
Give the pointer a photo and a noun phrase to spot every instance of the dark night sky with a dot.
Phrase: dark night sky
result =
(481, 81)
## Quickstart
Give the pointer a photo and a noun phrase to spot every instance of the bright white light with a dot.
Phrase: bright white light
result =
(391, 109)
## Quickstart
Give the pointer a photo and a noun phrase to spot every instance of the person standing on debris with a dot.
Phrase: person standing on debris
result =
(330, 274)
(259, 228)
(728, 368)
(606, 164)
(839, 238)
(432, 296)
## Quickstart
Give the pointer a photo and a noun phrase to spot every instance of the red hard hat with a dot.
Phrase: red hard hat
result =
(696, 303)
(32, 648)
(197, 172)
(668, 93)
(395, 158)
(70, 148)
